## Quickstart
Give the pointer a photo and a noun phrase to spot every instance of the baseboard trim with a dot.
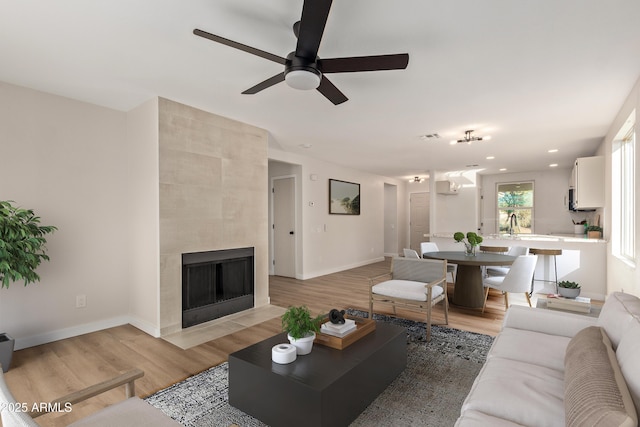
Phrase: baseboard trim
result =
(73, 331)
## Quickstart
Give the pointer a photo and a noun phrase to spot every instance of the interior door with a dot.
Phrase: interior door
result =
(418, 219)
(284, 238)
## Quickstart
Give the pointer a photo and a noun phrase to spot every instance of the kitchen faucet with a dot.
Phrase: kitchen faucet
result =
(512, 220)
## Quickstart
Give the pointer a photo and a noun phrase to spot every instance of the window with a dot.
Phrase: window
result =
(515, 207)
(623, 189)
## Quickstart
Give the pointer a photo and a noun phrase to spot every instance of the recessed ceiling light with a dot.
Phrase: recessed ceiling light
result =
(502, 169)
(490, 157)
(306, 145)
(428, 136)
(553, 150)
(553, 165)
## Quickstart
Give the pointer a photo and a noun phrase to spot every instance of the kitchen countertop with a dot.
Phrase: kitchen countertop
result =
(573, 238)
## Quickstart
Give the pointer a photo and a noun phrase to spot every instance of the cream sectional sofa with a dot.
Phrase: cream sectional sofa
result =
(551, 368)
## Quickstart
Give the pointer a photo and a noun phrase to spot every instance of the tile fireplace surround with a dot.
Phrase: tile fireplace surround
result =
(212, 196)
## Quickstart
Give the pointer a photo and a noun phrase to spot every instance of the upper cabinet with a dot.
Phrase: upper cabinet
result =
(446, 187)
(587, 181)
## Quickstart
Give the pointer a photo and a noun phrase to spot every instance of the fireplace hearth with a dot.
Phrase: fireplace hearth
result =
(216, 284)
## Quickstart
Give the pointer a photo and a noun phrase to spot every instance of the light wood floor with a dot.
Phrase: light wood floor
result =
(43, 373)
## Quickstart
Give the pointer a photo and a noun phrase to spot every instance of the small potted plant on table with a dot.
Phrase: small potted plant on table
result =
(301, 328)
(473, 240)
(594, 232)
(568, 289)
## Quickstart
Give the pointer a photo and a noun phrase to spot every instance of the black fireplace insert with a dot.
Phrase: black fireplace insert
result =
(216, 284)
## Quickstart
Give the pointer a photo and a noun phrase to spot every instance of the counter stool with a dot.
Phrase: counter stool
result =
(550, 252)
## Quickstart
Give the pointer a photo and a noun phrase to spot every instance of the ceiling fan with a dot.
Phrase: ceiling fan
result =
(302, 67)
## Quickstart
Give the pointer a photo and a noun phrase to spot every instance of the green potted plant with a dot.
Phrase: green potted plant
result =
(301, 328)
(594, 232)
(568, 289)
(470, 244)
(22, 249)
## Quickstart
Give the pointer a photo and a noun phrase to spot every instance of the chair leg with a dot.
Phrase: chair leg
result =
(486, 295)
(446, 310)
(506, 300)
(526, 294)
(370, 306)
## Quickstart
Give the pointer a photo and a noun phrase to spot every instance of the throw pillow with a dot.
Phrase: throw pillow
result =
(595, 393)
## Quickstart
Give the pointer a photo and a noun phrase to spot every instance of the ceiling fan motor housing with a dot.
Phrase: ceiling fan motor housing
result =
(301, 73)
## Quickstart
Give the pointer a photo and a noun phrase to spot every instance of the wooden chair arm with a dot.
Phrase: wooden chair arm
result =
(436, 282)
(127, 379)
(373, 279)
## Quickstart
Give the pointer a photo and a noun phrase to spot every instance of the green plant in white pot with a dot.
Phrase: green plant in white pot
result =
(301, 328)
(22, 249)
(568, 289)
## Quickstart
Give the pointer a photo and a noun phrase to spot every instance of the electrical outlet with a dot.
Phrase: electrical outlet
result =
(81, 301)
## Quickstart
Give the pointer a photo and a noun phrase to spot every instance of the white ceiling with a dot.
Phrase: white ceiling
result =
(534, 74)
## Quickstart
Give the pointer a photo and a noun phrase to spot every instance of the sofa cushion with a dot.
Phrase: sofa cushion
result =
(480, 419)
(407, 289)
(617, 313)
(518, 392)
(595, 391)
(531, 347)
(627, 355)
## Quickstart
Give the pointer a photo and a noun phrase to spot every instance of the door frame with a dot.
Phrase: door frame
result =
(272, 222)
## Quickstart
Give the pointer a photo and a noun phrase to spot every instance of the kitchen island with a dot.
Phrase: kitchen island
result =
(583, 260)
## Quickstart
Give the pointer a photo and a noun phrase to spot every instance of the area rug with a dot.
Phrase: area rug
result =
(429, 392)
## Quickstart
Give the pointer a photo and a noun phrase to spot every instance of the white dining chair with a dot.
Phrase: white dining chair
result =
(426, 247)
(503, 270)
(518, 279)
(410, 253)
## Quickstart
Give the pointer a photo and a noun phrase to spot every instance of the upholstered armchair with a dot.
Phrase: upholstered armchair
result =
(131, 412)
(414, 284)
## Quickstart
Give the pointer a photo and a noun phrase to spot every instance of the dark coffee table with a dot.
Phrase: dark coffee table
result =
(327, 387)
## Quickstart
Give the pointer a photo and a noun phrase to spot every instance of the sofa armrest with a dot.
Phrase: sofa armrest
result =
(546, 321)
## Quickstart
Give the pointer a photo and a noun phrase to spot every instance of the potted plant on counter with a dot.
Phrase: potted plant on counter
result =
(568, 289)
(594, 232)
(301, 328)
(22, 249)
(473, 240)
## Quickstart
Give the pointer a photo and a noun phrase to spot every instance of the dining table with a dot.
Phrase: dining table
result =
(469, 290)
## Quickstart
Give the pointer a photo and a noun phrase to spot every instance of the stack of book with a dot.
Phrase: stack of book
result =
(338, 330)
(578, 304)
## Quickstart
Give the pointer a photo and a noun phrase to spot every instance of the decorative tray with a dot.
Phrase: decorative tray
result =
(363, 327)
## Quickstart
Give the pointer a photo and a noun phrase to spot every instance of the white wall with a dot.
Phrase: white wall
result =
(143, 202)
(390, 219)
(333, 243)
(67, 160)
(620, 275)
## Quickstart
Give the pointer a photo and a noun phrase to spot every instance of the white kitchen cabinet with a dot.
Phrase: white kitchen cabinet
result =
(587, 180)
(446, 187)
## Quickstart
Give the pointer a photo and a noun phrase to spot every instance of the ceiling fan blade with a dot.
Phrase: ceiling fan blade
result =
(364, 63)
(331, 92)
(311, 27)
(240, 46)
(265, 84)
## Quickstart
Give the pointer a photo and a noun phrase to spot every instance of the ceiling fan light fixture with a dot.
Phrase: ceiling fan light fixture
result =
(303, 79)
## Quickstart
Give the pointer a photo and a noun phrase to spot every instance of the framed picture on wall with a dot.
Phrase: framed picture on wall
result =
(344, 197)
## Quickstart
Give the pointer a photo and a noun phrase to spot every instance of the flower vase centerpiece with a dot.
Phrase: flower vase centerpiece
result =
(473, 240)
